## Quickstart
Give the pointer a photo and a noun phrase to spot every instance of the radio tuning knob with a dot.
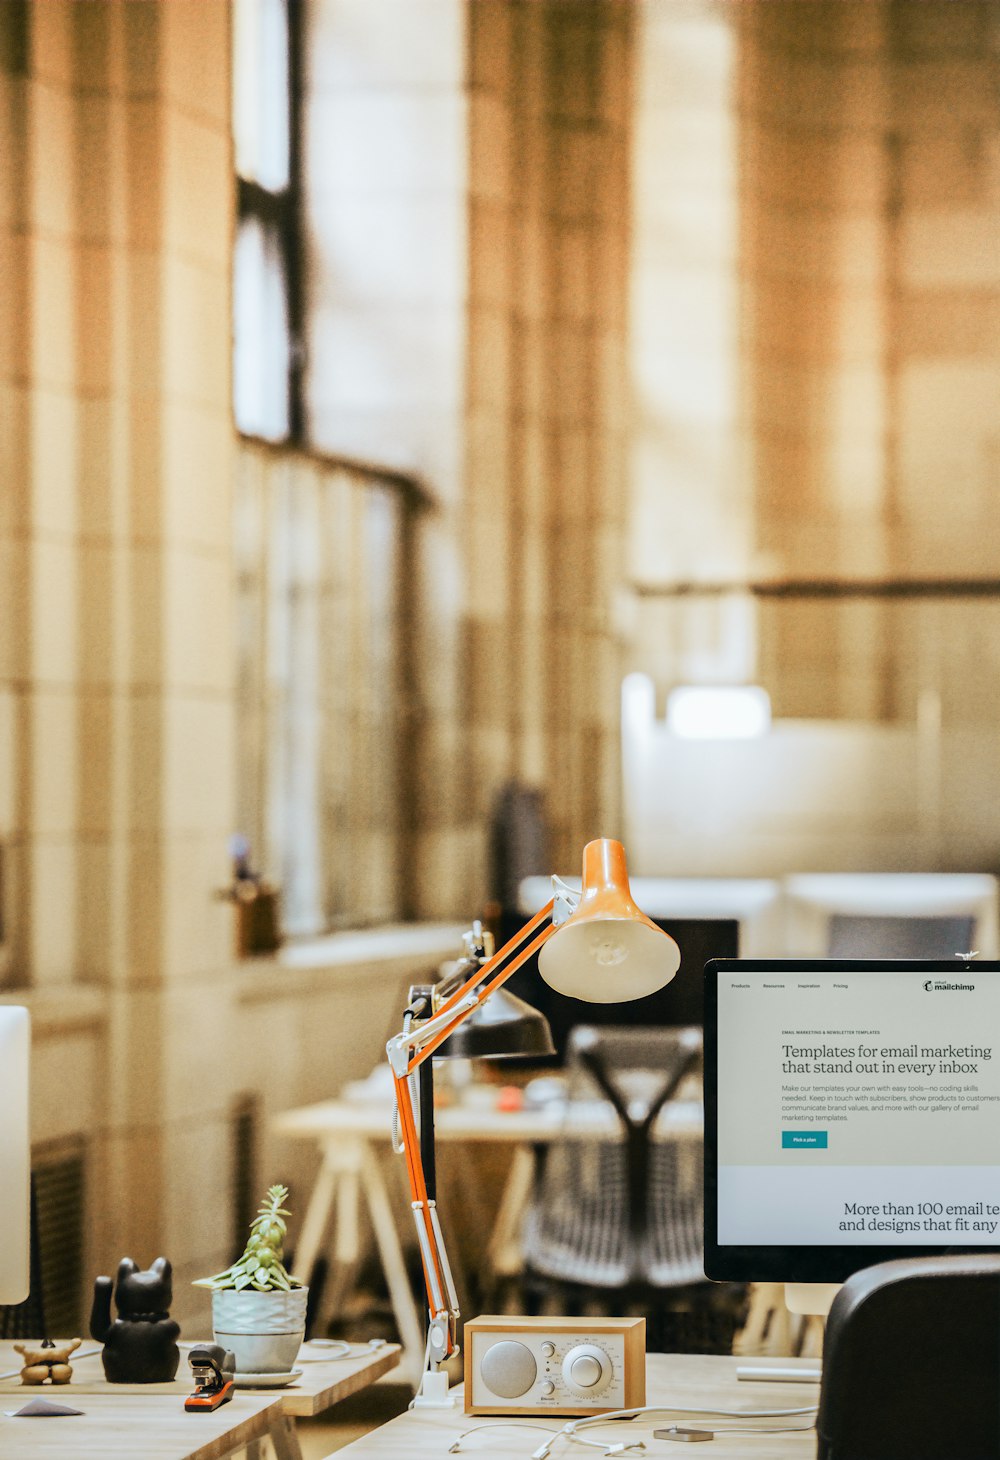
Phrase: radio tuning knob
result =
(587, 1369)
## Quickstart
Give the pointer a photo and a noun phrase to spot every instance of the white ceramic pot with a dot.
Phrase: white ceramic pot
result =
(263, 1330)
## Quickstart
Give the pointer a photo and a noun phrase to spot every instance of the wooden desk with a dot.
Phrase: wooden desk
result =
(683, 1379)
(353, 1135)
(322, 1383)
(152, 1426)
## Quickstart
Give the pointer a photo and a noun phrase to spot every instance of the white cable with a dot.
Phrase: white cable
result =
(570, 1433)
(426, 1366)
(503, 1425)
(760, 1430)
(764, 1429)
(348, 1350)
(609, 1447)
(629, 1414)
(570, 1430)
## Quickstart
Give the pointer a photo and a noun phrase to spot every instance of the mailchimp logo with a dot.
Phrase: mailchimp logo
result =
(940, 986)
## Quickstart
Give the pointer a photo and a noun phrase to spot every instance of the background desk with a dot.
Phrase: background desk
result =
(352, 1136)
(688, 1379)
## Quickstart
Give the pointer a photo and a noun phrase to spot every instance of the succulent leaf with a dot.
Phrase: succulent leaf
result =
(261, 1264)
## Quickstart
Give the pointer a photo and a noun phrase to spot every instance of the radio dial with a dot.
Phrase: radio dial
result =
(586, 1369)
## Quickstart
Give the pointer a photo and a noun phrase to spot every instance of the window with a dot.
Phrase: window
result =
(266, 293)
(321, 555)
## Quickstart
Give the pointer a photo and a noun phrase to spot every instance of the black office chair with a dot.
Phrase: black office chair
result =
(911, 1362)
(857, 936)
(616, 1224)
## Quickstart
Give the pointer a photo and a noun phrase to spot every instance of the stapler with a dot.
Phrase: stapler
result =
(213, 1368)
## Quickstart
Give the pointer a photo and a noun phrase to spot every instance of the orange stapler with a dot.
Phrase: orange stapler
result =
(213, 1368)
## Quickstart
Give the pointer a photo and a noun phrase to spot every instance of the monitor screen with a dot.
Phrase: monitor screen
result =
(15, 1153)
(852, 1114)
(678, 1003)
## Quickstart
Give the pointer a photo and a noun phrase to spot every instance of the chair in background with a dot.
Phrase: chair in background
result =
(911, 1362)
(616, 1224)
(812, 901)
(897, 937)
(519, 842)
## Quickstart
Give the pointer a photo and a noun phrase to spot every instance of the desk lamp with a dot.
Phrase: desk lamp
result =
(597, 946)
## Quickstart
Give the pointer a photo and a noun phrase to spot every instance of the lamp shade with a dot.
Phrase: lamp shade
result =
(503, 1027)
(608, 951)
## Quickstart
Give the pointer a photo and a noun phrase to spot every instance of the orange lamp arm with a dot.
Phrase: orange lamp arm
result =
(407, 1052)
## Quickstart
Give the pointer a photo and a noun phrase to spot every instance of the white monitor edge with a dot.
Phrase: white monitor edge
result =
(15, 1154)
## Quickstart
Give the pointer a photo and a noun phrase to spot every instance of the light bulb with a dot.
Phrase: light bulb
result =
(607, 950)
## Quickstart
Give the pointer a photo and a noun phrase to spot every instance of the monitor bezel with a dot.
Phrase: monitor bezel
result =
(796, 1264)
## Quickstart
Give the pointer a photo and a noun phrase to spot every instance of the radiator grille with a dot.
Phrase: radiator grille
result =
(54, 1306)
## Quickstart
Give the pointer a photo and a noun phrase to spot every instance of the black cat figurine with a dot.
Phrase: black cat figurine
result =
(140, 1346)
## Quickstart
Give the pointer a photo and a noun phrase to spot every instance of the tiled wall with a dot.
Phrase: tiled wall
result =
(816, 362)
(116, 673)
(872, 281)
(544, 510)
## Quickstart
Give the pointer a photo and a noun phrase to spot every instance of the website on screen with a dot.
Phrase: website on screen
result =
(859, 1108)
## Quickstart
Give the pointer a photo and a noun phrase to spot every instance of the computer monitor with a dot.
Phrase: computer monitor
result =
(15, 1154)
(678, 1003)
(852, 1114)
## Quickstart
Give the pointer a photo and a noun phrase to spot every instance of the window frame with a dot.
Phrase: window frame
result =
(282, 211)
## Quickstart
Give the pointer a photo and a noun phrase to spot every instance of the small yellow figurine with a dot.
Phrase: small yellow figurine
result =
(48, 1363)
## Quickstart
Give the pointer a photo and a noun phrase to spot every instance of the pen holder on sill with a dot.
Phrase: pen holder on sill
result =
(258, 922)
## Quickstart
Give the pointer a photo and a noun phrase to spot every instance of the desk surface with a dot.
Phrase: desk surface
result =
(154, 1426)
(372, 1120)
(320, 1385)
(683, 1379)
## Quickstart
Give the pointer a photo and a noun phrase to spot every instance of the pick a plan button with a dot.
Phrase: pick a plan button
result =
(804, 1140)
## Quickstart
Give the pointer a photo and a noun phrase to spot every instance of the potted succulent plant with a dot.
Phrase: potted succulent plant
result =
(258, 1308)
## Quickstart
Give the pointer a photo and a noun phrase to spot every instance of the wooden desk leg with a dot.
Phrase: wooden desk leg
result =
(317, 1216)
(764, 1298)
(346, 1161)
(393, 1264)
(284, 1438)
(503, 1251)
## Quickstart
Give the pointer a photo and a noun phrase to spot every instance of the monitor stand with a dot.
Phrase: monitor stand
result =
(810, 1300)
